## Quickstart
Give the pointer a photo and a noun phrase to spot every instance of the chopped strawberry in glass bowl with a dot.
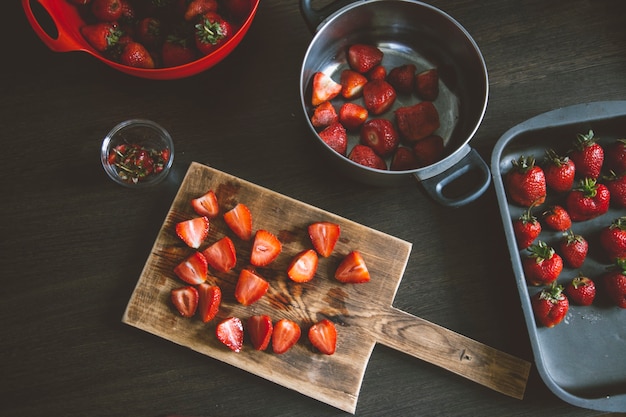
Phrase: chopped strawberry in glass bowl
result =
(137, 153)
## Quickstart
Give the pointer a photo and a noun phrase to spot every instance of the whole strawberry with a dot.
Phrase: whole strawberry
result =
(211, 31)
(557, 218)
(573, 249)
(615, 156)
(526, 182)
(136, 55)
(543, 265)
(550, 305)
(589, 199)
(616, 183)
(613, 239)
(581, 290)
(526, 228)
(559, 171)
(614, 282)
(588, 156)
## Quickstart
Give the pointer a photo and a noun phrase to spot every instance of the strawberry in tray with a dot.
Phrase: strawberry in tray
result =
(614, 283)
(615, 156)
(587, 200)
(616, 184)
(581, 291)
(417, 121)
(588, 156)
(550, 305)
(559, 171)
(573, 249)
(526, 182)
(557, 218)
(613, 239)
(543, 265)
(526, 228)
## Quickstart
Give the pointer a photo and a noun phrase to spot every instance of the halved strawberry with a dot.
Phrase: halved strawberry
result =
(265, 248)
(239, 219)
(403, 160)
(324, 237)
(230, 332)
(378, 96)
(352, 84)
(380, 135)
(364, 155)
(429, 150)
(206, 205)
(363, 58)
(324, 115)
(402, 78)
(185, 299)
(417, 121)
(221, 255)
(210, 300)
(324, 88)
(259, 329)
(250, 287)
(336, 137)
(193, 231)
(377, 73)
(286, 333)
(352, 116)
(323, 336)
(303, 266)
(352, 269)
(427, 84)
(193, 270)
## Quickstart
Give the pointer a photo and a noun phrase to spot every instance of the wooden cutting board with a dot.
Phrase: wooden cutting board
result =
(363, 313)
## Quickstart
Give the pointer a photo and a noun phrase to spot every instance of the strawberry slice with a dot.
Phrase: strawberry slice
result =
(303, 266)
(323, 336)
(352, 116)
(402, 78)
(378, 96)
(336, 137)
(265, 249)
(352, 270)
(185, 299)
(417, 121)
(352, 84)
(210, 300)
(363, 58)
(250, 287)
(427, 84)
(324, 88)
(239, 220)
(324, 115)
(221, 255)
(403, 160)
(286, 333)
(230, 332)
(260, 329)
(206, 205)
(324, 237)
(193, 270)
(193, 231)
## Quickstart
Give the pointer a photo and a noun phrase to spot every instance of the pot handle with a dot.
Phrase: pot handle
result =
(64, 42)
(436, 185)
(315, 17)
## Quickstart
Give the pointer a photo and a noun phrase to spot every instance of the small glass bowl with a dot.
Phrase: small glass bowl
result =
(137, 153)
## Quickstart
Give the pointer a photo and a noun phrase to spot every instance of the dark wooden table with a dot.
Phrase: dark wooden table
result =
(74, 243)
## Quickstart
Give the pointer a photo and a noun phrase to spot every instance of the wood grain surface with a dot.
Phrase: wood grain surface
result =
(363, 313)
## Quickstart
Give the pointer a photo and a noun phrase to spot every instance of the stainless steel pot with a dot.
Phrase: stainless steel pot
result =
(408, 32)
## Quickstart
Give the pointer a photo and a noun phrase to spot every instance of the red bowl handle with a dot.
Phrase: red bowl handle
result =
(65, 41)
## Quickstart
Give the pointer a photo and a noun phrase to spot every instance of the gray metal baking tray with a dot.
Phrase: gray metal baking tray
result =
(582, 360)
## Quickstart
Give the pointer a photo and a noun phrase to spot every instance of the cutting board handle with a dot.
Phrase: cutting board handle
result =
(459, 354)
